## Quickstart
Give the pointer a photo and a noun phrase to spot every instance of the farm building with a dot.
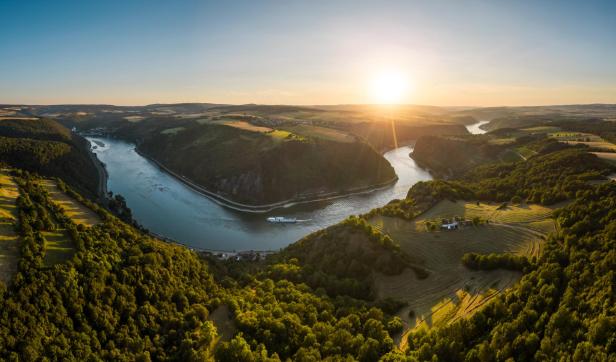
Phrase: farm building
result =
(450, 226)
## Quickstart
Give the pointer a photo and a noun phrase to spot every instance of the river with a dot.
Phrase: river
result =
(475, 127)
(168, 207)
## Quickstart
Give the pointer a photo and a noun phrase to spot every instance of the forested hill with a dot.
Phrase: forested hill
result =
(447, 156)
(258, 165)
(102, 290)
(564, 309)
(46, 147)
(117, 294)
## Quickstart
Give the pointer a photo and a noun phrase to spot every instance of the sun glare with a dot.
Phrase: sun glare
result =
(390, 87)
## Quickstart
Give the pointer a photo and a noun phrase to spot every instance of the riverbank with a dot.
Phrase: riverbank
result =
(264, 208)
(220, 254)
(165, 205)
(98, 165)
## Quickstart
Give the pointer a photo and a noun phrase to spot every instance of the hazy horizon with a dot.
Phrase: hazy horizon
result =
(442, 53)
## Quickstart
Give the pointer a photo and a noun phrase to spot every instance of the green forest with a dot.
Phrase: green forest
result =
(46, 147)
(123, 295)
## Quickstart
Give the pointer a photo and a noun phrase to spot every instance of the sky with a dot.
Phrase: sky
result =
(447, 53)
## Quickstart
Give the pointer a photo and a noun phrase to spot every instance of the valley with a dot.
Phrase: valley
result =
(169, 207)
(395, 272)
(305, 181)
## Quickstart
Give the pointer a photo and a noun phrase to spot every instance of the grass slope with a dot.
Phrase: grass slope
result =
(451, 291)
(9, 240)
(78, 212)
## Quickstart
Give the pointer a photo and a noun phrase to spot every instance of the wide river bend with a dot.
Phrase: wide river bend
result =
(168, 207)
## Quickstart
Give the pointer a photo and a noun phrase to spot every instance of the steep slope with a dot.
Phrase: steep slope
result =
(46, 147)
(254, 167)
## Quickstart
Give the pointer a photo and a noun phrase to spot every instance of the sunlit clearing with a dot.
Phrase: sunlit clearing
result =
(390, 87)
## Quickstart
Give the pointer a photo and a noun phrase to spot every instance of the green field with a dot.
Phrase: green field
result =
(452, 291)
(541, 129)
(329, 134)
(9, 240)
(526, 152)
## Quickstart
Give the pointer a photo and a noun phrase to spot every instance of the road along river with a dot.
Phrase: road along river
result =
(168, 207)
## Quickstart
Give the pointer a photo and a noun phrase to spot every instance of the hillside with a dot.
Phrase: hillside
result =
(256, 165)
(140, 298)
(46, 147)
(343, 259)
(447, 157)
(531, 278)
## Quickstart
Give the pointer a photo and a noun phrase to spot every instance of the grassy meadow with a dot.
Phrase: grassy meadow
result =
(73, 209)
(9, 240)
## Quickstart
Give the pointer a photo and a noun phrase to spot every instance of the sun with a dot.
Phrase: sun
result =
(390, 87)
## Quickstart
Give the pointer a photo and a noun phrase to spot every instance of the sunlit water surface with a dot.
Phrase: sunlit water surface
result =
(474, 128)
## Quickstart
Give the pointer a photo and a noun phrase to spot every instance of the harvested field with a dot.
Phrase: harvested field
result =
(73, 209)
(134, 118)
(588, 139)
(531, 216)
(321, 132)
(247, 126)
(604, 145)
(19, 118)
(9, 240)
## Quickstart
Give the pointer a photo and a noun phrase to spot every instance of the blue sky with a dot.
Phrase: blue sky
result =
(309, 52)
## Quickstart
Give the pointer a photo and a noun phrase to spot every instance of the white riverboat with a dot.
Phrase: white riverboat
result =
(281, 219)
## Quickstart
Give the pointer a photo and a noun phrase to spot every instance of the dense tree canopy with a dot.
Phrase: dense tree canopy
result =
(124, 295)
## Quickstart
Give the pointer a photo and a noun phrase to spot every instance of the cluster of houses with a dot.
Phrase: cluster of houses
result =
(247, 255)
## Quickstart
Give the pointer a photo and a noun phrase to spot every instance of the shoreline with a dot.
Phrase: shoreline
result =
(260, 209)
(100, 168)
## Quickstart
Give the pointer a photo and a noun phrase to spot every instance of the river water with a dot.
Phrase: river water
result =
(168, 207)
(474, 128)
